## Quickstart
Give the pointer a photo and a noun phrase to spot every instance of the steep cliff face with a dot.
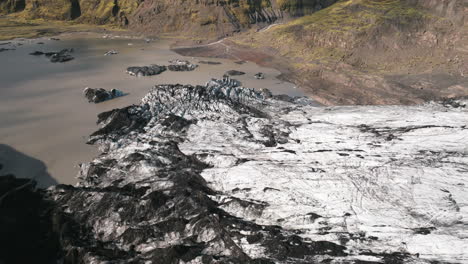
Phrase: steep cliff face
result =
(108, 11)
(207, 18)
(218, 18)
(89, 11)
(455, 10)
(62, 9)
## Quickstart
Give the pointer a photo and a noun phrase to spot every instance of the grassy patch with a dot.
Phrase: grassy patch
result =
(15, 27)
(335, 33)
(359, 15)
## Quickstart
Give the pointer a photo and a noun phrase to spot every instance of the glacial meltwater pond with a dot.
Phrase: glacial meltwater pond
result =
(44, 118)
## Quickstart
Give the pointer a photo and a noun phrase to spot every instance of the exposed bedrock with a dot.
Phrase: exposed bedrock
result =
(226, 174)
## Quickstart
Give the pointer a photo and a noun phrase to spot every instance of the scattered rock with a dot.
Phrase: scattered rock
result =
(453, 102)
(424, 230)
(36, 53)
(26, 223)
(267, 93)
(210, 62)
(226, 81)
(234, 73)
(3, 49)
(181, 65)
(111, 52)
(61, 56)
(99, 95)
(146, 70)
(259, 76)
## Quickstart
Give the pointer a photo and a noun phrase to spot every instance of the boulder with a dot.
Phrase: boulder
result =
(58, 57)
(111, 52)
(146, 70)
(61, 56)
(259, 76)
(36, 53)
(181, 65)
(210, 62)
(226, 81)
(234, 73)
(98, 95)
(240, 62)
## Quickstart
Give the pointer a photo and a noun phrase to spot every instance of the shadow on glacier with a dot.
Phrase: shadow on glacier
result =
(23, 166)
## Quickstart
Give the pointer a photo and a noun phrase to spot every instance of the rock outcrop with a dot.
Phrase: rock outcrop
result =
(225, 174)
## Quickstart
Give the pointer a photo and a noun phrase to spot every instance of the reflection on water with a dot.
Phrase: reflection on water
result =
(44, 114)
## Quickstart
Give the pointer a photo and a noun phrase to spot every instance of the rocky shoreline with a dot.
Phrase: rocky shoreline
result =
(224, 174)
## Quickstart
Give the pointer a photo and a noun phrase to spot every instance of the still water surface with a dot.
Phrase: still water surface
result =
(44, 118)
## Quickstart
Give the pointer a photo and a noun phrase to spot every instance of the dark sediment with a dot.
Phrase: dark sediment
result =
(144, 200)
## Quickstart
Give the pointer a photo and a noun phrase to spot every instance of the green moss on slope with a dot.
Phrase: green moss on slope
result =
(334, 33)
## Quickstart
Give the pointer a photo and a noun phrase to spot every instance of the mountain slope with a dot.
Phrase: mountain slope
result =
(375, 52)
(205, 18)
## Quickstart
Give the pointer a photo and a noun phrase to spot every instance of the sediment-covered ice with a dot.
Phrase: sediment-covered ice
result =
(226, 174)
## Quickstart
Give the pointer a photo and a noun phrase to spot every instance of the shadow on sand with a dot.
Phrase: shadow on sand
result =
(24, 166)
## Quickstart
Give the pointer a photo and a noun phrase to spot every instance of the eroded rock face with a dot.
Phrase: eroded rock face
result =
(225, 174)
